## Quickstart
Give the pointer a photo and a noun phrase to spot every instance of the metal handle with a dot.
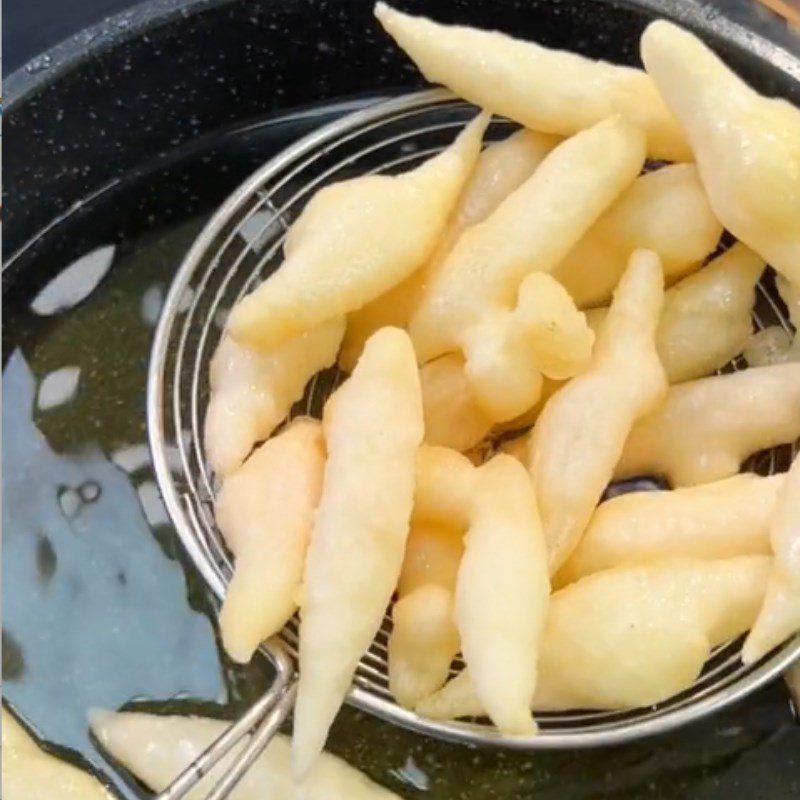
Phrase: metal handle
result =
(266, 715)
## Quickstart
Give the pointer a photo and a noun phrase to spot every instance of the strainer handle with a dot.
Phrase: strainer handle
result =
(263, 719)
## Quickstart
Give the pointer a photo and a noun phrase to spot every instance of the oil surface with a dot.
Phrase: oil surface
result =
(100, 607)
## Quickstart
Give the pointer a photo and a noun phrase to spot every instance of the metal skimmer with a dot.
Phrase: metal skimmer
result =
(238, 248)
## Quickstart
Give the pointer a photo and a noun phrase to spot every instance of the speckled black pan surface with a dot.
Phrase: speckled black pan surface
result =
(135, 88)
(118, 144)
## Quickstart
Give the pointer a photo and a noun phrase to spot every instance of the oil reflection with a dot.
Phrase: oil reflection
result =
(74, 283)
(94, 614)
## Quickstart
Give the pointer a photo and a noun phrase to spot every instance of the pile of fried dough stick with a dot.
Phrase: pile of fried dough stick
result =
(523, 324)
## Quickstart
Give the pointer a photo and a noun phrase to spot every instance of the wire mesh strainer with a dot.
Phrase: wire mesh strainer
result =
(237, 249)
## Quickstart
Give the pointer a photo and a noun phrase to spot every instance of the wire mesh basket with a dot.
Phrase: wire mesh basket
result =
(238, 248)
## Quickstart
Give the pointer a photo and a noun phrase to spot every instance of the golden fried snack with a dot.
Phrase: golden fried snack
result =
(747, 146)
(509, 355)
(157, 748)
(265, 511)
(724, 519)
(666, 211)
(706, 428)
(545, 90)
(579, 435)
(549, 388)
(530, 231)
(354, 240)
(445, 482)
(30, 773)
(517, 447)
(630, 636)
(373, 428)
(705, 322)
(706, 319)
(452, 416)
(502, 585)
(502, 593)
(424, 637)
(500, 169)
(253, 391)
(779, 617)
(635, 636)
(512, 358)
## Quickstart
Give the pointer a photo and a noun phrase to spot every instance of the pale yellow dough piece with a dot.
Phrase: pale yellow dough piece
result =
(724, 519)
(706, 428)
(445, 483)
(747, 146)
(666, 211)
(517, 448)
(580, 434)
(549, 388)
(501, 168)
(373, 429)
(452, 416)
(265, 511)
(253, 391)
(29, 773)
(502, 586)
(353, 241)
(530, 231)
(630, 636)
(512, 360)
(510, 353)
(706, 320)
(424, 637)
(779, 617)
(546, 90)
(502, 593)
(157, 748)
